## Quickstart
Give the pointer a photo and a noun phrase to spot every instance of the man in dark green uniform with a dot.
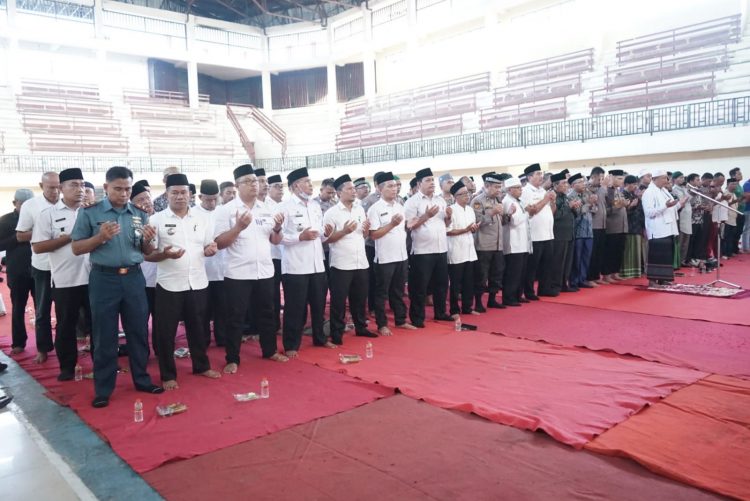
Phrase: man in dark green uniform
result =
(564, 229)
(116, 235)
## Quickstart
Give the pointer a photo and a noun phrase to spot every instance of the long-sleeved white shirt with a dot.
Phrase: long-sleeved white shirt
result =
(661, 221)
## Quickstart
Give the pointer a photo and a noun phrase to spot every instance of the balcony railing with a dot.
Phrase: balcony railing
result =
(53, 8)
(721, 112)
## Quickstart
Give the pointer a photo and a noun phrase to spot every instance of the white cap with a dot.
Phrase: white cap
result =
(658, 172)
(645, 171)
(512, 182)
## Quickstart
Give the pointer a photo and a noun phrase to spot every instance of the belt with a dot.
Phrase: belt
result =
(123, 270)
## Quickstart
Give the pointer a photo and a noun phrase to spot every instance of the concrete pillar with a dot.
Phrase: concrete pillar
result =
(333, 97)
(266, 87)
(98, 19)
(192, 74)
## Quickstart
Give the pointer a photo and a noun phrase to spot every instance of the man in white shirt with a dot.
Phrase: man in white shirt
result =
(539, 205)
(302, 268)
(215, 312)
(275, 196)
(40, 267)
(516, 243)
(248, 229)
(140, 196)
(427, 216)
(69, 273)
(660, 209)
(227, 192)
(345, 226)
(184, 239)
(388, 232)
(461, 252)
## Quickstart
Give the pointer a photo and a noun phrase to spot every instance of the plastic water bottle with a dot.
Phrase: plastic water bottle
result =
(264, 390)
(138, 411)
(457, 325)
(78, 372)
(368, 350)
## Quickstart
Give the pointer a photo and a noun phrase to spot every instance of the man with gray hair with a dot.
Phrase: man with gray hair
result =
(18, 262)
(161, 202)
(40, 266)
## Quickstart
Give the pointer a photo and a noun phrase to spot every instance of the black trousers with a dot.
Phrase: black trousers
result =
(151, 300)
(21, 286)
(614, 251)
(488, 271)
(276, 295)
(171, 307)
(216, 311)
(239, 295)
(539, 268)
(351, 285)
(428, 267)
(562, 262)
(515, 271)
(698, 243)
(68, 302)
(735, 248)
(299, 290)
(462, 286)
(389, 284)
(597, 255)
(370, 253)
(43, 306)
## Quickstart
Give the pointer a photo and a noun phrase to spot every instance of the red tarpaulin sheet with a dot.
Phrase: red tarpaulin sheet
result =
(398, 448)
(706, 346)
(572, 394)
(299, 393)
(699, 435)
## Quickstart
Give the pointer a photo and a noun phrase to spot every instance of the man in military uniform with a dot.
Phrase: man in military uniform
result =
(116, 235)
(564, 230)
(488, 240)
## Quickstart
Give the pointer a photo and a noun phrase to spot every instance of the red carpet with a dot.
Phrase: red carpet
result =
(736, 270)
(214, 420)
(699, 435)
(570, 393)
(397, 448)
(706, 346)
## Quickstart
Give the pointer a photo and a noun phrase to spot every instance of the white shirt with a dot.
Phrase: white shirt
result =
(719, 214)
(191, 233)
(278, 249)
(29, 214)
(149, 270)
(661, 221)
(543, 222)
(68, 270)
(391, 247)
(461, 247)
(301, 257)
(249, 257)
(347, 253)
(516, 231)
(215, 263)
(428, 238)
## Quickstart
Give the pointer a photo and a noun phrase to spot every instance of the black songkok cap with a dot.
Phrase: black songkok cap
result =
(192, 188)
(177, 180)
(274, 179)
(341, 180)
(142, 182)
(423, 173)
(494, 178)
(360, 181)
(457, 186)
(89, 185)
(296, 175)
(72, 173)
(565, 172)
(487, 174)
(260, 172)
(560, 176)
(617, 172)
(575, 177)
(413, 183)
(209, 187)
(137, 190)
(382, 177)
(504, 176)
(531, 168)
(243, 170)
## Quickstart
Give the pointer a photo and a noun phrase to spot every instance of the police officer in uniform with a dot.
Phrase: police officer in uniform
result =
(116, 235)
(488, 241)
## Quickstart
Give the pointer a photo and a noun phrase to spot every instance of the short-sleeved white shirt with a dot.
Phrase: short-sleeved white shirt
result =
(276, 249)
(391, 247)
(428, 238)
(543, 222)
(347, 253)
(461, 247)
(301, 257)
(29, 214)
(249, 257)
(191, 233)
(68, 270)
(215, 263)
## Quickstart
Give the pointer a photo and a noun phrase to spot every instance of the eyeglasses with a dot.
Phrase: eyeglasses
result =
(248, 181)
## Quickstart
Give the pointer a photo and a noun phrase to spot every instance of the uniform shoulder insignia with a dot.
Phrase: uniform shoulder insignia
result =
(477, 205)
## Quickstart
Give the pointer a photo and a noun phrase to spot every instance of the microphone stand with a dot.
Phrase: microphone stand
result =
(718, 239)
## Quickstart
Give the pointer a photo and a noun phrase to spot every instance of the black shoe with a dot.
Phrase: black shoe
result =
(100, 402)
(152, 388)
(367, 334)
(3, 367)
(444, 318)
(492, 303)
(5, 401)
(549, 294)
(66, 376)
(569, 289)
(418, 325)
(513, 304)
(585, 286)
(532, 297)
(478, 306)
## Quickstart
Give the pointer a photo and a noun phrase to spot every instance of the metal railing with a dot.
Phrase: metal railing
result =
(722, 112)
(54, 8)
